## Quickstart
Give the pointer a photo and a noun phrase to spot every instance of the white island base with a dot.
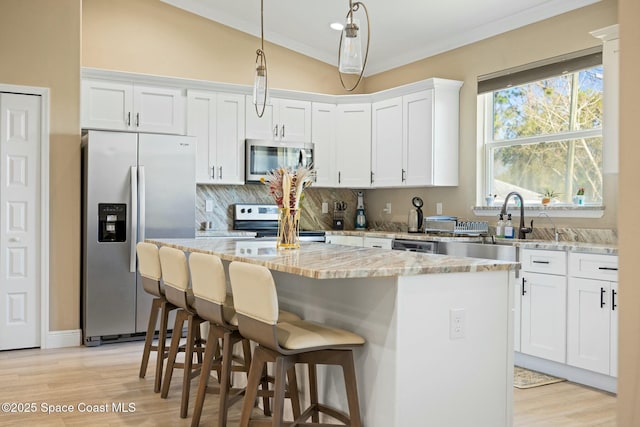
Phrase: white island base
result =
(413, 371)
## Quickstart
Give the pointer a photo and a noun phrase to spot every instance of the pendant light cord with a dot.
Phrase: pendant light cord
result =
(261, 61)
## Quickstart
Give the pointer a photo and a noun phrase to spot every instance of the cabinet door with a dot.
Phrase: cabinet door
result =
(377, 242)
(588, 328)
(294, 120)
(543, 318)
(259, 127)
(324, 137)
(201, 123)
(159, 110)
(386, 143)
(353, 145)
(230, 121)
(345, 240)
(106, 105)
(613, 339)
(417, 141)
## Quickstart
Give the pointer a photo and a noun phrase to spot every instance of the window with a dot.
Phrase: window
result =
(545, 134)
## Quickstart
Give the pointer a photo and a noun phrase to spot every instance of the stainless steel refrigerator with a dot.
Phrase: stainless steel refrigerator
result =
(135, 186)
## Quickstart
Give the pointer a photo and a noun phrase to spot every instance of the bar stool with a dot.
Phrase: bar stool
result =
(288, 343)
(212, 303)
(175, 273)
(151, 273)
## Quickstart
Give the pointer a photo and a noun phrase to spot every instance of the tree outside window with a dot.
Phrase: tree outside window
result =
(546, 136)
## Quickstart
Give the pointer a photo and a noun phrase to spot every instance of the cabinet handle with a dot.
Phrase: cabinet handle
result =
(339, 178)
(524, 291)
(372, 179)
(608, 268)
(613, 299)
(602, 292)
(129, 118)
(282, 132)
(404, 175)
(137, 119)
(220, 172)
(212, 175)
(539, 262)
(376, 246)
(275, 131)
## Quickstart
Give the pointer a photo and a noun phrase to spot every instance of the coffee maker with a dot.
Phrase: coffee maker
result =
(415, 216)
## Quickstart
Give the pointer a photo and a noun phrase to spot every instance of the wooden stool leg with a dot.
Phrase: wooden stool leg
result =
(192, 340)
(264, 384)
(282, 365)
(292, 387)
(349, 372)
(148, 340)
(313, 392)
(253, 382)
(173, 352)
(225, 383)
(162, 343)
(209, 355)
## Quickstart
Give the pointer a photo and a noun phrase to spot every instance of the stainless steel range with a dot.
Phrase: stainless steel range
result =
(263, 219)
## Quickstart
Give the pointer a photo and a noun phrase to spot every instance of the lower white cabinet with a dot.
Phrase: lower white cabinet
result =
(345, 240)
(592, 313)
(377, 242)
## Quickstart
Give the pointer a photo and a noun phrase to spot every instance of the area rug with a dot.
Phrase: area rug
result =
(524, 378)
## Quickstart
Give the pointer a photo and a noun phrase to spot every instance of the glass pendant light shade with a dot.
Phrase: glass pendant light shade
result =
(351, 51)
(260, 85)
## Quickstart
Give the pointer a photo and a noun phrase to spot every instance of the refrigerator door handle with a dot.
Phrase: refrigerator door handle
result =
(141, 182)
(133, 217)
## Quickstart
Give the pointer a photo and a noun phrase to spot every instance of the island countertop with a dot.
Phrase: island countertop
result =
(323, 261)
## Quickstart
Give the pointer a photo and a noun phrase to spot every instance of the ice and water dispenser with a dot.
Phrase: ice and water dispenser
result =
(112, 222)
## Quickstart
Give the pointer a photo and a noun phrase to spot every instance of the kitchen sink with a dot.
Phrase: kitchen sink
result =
(502, 252)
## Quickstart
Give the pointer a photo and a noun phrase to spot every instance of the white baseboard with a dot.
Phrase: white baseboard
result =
(58, 339)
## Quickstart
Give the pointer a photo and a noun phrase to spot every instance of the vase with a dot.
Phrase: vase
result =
(578, 199)
(288, 228)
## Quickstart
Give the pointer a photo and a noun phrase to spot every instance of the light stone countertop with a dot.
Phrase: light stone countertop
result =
(322, 261)
(583, 247)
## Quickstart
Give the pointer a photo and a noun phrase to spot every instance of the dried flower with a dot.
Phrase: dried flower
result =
(286, 185)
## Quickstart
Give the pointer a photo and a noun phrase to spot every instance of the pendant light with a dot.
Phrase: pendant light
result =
(260, 81)
(350, 58)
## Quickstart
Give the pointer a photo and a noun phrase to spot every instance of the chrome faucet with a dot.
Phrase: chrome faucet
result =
(522, 230)
(556, 233)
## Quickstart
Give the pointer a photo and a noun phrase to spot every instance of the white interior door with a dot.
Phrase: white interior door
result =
(19, 221)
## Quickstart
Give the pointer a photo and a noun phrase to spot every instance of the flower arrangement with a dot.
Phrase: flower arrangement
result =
(580, 191)
(287, 186)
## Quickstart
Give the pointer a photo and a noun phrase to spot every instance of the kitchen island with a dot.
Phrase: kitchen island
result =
(439, 329)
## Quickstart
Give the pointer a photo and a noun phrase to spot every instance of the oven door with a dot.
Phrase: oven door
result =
(265, 156)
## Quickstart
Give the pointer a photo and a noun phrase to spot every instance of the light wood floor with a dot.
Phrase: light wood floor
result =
(108, 375)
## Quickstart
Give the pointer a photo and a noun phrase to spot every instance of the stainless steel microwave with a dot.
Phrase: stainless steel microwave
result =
(263, 156)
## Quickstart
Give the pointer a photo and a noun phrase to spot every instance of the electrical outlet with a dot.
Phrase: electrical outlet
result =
(439, 208)
(387, 208)
(208, 205)
(325, 207)
(457, 324)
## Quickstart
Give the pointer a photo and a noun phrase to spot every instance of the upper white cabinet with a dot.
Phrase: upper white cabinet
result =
(415, 137)
(592, 313)
(353, 145)
(217, 121)
(115, 105)
(323, 136)
(283, 120)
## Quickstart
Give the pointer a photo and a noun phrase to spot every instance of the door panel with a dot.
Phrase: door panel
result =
(19, 221)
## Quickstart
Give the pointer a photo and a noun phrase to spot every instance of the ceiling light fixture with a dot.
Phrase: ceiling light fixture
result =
(350, 59)
(338, 26)
(260, 81)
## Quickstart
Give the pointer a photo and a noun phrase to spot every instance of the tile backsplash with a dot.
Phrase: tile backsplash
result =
(312, 218)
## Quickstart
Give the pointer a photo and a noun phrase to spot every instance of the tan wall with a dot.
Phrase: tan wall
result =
(40, 46)
(629, 358)
(155, 38)
(566, 33)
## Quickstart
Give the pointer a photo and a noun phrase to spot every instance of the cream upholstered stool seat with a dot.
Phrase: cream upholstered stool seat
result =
(212, 303)
(288, 343)
(175, 273)
(151, 273)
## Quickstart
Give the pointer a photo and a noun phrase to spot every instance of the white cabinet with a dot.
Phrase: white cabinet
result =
(217, 121)
(115, 105)
(377, 242)
(345, 240)
(543, 303)
(415, 137)
(592, 315)
(353, 145)
(323, 136)
(283, 120)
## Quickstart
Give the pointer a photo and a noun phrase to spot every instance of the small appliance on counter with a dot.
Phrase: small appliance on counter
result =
(444, 224)
(415, 216)
(361, 219)
(338, 215)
